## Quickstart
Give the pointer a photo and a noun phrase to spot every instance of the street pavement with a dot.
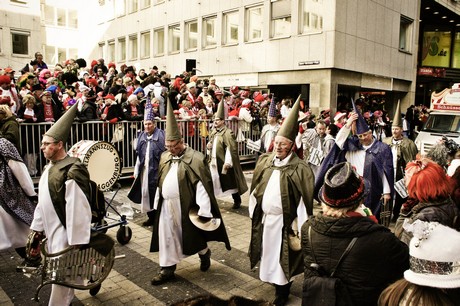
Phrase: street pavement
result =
(129, 281)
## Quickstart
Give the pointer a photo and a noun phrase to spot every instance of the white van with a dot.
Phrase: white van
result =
(444, 119)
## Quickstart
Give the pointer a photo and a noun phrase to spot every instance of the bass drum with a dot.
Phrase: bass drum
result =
(101, 159)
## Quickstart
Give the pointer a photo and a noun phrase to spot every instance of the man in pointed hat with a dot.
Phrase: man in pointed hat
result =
(372, 159)
(224, 161)
(184, 189)
(63, 214)
(404, 150)
(150, 146)
(269, 130)
(281, 201)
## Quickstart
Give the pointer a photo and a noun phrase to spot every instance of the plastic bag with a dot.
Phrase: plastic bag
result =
(127, 210)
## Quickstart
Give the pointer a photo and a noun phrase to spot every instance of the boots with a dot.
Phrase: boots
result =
(166, 274)
(149, 221)
(205, 261)
(282, 294)
(236, 200)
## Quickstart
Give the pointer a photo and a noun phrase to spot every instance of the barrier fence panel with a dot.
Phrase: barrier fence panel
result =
(123, 136)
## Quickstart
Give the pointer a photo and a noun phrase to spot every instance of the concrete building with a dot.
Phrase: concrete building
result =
(328, 50)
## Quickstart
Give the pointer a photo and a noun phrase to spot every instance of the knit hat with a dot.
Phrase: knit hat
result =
(191, 85)
(361, 124)
(290, 125)
(339, 115)
(272, 109)
(5, 79)
(172, 129)
(434, 255)
(397, 118)
(61, 129)
(343, 187)
(148, 112)
(220, 111)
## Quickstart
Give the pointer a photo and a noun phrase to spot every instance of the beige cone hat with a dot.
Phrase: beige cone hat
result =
(397, 118)
(220, 111)
(290, 126)
(172, 129)
(61, 129)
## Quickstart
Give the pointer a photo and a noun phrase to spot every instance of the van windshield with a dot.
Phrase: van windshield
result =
(442, 123)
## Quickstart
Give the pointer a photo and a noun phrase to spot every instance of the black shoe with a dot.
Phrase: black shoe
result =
(149, 222)
(280, 300)
(236, 205)
(164, 276)
(205, 261)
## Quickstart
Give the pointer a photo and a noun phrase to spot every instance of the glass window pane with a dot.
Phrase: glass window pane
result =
(73, 19)
(174, 38)
(133, 47)
(49, 15)
(111, 51)
(311, 16)
(254, 23)
(209, 31)
(145, 44)
(50, 54)
(62, 55)
(121, 49)
(20, 43)
(191, 35)
(61, 17)
(101, 50)
(145, 3)
(230, 35)
(159, 45)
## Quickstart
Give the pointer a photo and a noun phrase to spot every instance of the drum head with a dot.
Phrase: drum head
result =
(101, 159)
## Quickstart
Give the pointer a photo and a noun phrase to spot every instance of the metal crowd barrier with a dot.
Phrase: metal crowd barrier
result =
(195, 133)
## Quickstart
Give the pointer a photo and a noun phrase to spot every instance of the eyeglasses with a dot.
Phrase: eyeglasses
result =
(364, 135)
(172, 146)
(45, 144)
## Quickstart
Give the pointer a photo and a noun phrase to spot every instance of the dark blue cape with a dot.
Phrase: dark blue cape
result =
(379, 161)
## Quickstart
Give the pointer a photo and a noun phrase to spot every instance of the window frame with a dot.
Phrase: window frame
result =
(276, 17)
(174, 33)
(314, 10)
(252, 26)
(133, 46)
(406, 30)
(111, 50)
(121, 49)
(156, 45)
(190, 36)
(228, 29)
(27, 34)
(206, 43)
(145, 48)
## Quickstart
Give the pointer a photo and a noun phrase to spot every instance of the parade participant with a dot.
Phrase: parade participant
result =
(150, 145)
(376, 257)
(17, 199)
(431, 189)
(372, 159)
(269, 130)
(312, 143)
(63, 212)
(281, 201)
(404, 150)
(175, 236)
(9, 126)
(224, 162)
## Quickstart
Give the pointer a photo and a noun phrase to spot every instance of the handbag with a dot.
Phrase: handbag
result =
(118, 133)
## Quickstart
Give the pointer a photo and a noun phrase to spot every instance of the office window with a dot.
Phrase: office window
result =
(159, 42)
(20, 41)
(73, 53)
(73, 19)
(311, 16)
(50, 54)
(145, 44)
(281, 18)
(111, 51)
(62, 55)
(405, 33)
(230, 35)
(191, 35)
(120, 8)
(145, 3)
(132, 6)
(133, 47)
(48, 15)
(101, 50)
(121, 49)
(254, 23)
(209, 31)
(174, 38)
(61, 17)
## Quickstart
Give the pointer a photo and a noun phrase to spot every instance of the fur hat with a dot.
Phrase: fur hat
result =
(434, 255)
(343, 187)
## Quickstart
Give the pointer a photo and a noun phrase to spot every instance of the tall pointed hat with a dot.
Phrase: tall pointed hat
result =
(397, 118)
(172, 129)
(272, 109)
(61, 129)
(361, 124)
(220, 111)
(148, 112)
(290, 126)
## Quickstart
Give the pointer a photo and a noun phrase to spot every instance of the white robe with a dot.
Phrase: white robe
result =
(270, 267)
(145, 196)
(170, 224)
(14, 232)
(215, 173)
(78, 221)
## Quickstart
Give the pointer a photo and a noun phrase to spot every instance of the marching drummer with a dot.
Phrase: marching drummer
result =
(186, 218)
(63, 214)
(150, 145)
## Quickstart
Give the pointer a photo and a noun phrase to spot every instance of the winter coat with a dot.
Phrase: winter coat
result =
(376, 260)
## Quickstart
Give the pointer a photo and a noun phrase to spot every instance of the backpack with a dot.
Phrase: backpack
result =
(97, 203)
(324, 289)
